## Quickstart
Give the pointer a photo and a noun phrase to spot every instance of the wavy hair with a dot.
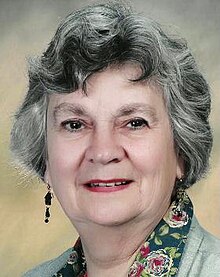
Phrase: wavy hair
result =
(96, 37)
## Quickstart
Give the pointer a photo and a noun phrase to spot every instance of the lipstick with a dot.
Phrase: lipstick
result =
(110, 185)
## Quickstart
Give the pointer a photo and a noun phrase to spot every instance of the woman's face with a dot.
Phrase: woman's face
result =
(111, 153)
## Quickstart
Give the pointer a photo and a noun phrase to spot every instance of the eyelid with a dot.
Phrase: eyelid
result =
(137, 118)
(71, 120)
(146, 122)
(76, 119)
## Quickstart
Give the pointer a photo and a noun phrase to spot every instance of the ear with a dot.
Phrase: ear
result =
(180, 167)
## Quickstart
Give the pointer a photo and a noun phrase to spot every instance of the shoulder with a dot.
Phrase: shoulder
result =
(47, 269)
(202, 253)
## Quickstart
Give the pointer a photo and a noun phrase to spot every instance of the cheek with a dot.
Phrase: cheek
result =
(155, 163)
(147, 156)
(64, 158)
(154, 160)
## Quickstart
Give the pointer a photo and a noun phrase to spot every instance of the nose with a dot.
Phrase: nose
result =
(104, 149)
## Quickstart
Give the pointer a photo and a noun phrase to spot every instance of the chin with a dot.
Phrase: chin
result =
(111, 217)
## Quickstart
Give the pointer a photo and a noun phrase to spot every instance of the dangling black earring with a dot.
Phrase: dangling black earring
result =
(47, 199)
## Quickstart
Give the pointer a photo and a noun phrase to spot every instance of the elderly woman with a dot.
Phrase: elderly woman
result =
(115, 122)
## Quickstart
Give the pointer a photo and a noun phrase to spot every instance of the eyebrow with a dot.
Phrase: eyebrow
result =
(125, 110)
(69, 108)
(129, 109)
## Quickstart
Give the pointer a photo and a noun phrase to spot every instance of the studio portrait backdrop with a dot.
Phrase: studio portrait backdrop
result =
(26, 29)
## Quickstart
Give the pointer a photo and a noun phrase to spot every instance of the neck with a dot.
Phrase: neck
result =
(114, 249)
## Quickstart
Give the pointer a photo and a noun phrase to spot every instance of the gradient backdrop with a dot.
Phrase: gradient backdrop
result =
(25, 30)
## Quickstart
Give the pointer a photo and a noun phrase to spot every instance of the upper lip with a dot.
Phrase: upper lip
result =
(95, 181)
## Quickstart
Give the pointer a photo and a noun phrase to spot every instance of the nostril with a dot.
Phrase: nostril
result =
(115, 160)
(104, 161)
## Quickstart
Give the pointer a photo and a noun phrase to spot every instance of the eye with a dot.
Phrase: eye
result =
(73, 125)
(137, 123)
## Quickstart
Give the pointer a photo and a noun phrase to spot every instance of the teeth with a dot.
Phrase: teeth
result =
(108, 184)
(120, 183)
(105, 184)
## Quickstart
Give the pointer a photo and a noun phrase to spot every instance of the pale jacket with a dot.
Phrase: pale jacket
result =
(201, 257)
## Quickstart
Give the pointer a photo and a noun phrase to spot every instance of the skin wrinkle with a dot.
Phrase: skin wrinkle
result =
(130, 228)
(67, 109)
(144, 155)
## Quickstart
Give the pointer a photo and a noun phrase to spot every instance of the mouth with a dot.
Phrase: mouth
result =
(107, 185)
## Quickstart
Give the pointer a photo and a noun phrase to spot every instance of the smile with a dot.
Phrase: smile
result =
(108, 184)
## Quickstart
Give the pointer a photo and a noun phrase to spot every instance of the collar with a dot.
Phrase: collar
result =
(160, 254)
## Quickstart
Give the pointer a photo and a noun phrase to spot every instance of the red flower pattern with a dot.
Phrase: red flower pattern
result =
(175, 220)
(136, 269)
(145, 250)
(158, 263)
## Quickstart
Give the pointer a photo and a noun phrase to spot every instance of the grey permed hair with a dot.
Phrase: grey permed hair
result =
(90, 40)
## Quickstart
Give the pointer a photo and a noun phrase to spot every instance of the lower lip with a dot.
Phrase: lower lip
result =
(107, 189)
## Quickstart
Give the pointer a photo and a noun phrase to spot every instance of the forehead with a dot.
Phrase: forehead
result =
(110, 90)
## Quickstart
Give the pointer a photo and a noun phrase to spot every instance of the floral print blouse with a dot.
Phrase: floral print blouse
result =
(161, 253)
